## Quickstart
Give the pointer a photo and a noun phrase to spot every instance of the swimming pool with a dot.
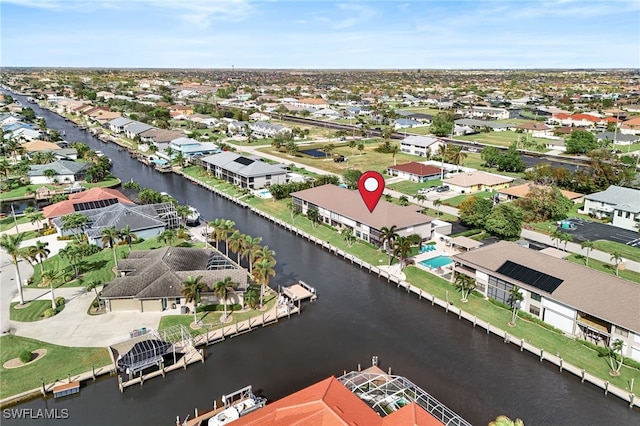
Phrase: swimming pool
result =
(263, 193)
(436, 262)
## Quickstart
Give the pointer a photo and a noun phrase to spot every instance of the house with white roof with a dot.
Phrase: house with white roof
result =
(117, 125)
(192, 148)
(621, 205)
(419, 145)
(243, 171)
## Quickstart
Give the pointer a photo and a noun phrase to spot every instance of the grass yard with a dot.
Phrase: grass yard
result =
(211, 319)
(7, 223)
(571, 350)
(368, 159)
(627, 252)
(25, 190)
(506, 138)
(411, 188)
(31, 313)
(458, 199)
(604, 267)
(55, 365)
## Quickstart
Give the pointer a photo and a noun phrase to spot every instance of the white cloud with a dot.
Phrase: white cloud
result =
(361, 14)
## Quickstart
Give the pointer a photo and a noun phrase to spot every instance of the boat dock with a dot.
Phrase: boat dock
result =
(232, 407)
(66, 389)
(299, 291)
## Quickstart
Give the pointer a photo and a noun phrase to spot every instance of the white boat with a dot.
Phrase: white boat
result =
(235, 405)
(194, 216)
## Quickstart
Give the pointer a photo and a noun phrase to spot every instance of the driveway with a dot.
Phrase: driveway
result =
(592, 231)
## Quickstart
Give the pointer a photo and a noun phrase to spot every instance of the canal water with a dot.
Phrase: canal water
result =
(355, 317)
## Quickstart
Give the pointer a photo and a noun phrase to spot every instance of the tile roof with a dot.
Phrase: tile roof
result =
(93, 194)
(348, 203)
(160, 272)
(418, 169)
(597, 293)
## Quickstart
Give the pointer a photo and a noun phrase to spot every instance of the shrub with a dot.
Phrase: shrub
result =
(213, 308)
(95, 303)
(49, 231)
(49, 313)
(60, 301)
(26, 356)
(467, 233)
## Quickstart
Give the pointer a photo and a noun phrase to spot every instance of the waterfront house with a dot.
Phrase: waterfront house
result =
(152, 280)
(90, 199)
(415, 172)
(65, 171)
(243, 171)
(621, 205)
(117, 125)
(578, 300)
(471, 182)
(423, 146)
(134, 128)
(344, 208)
(145, 221)
(160, 137)
(192, 148)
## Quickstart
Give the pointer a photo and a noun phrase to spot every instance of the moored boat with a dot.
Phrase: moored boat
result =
(194, 217)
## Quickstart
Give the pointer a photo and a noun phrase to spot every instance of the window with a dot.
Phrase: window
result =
(536, 297)
(267, 177)
(534, 310)
(621, 331)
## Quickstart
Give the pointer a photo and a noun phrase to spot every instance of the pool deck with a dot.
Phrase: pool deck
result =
(441, 250)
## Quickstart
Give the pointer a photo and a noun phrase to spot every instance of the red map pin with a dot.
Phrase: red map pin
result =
(371, 186)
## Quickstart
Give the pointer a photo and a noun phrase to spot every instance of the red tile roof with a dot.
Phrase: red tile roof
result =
(417, 169)
(586, 117)
(330, 403)
(93, 194)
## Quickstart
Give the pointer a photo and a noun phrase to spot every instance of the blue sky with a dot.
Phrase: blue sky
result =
(403, 34)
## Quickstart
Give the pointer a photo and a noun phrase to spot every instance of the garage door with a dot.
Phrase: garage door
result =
(125, 305)
(563, 323)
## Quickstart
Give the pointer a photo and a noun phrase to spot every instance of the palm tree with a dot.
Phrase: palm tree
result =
(93, 285)
(566, 238)
(314, 216)
(73, 253)
(252, 297)
(456, 155)
(168, 236)
(192, 287)
(262, 270)
(615, 357)
(127, 235)
(404, 200)
(183, 212)
(75, 221)
(264, 252)
(465, 284)
(236, 243)
(11, 244)
(217, 225)
(41, 252)
(437, 203)
(249, 249)
(110, 237)
(347, 234)
(328, 149)
(402, 248)
(222, 289)
(556, 237)
(395, 149)
(35, 217)
(515, 297)
(352, 144)
(49, 277)
(617, 258)
(587, 245)
(421, 198)
(388, 235)
(50, 174)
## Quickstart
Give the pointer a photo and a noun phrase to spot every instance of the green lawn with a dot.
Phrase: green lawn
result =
(56, 364)
(98, 267)
(411, 188)
(31, 313)
(505, 138)
(211, 320)
(7, 223)
(605, 267)
(572, 351)
(627, 252)
(457, 200)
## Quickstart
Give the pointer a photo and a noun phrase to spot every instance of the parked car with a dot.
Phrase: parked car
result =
(340, 159)
(426, 190)
(443, 188)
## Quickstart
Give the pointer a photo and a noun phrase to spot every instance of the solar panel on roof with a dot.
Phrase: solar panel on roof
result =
(530, 276)
(90, 205)
(243, 160)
